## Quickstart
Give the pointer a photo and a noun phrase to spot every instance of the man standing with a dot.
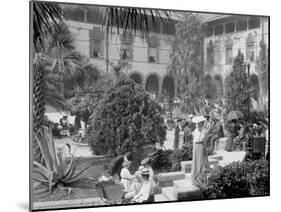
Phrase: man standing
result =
(177, 134)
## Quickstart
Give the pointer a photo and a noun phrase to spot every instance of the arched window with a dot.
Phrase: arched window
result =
(152, 84)
(168, 86)
(136, 77)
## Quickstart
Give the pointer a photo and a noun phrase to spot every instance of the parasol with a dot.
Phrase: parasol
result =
(234, 114)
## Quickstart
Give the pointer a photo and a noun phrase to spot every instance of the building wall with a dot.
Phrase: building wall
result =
(139, 64)
(239, 43)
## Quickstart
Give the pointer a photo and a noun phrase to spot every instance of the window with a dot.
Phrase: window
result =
(210, 31)
(96, 48)
(96, 42)
(254, 23)
(153, 54)
(228, 55)
(219, 29)
(229, 27)
(241, 25)
(126, 52)
(210, 54)
(250, 52)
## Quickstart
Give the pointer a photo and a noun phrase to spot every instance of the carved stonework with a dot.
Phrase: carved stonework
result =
(250, 39)
(96, 34)
(127, 38)
(228, 42)
(153, 40)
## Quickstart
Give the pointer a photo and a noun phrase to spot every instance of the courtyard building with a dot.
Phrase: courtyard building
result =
(146, 59)
(226, 35)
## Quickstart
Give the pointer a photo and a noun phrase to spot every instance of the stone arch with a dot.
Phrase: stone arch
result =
(255, 86)
(137, 77)
(152, 83)
(219, 84)
(168, 86)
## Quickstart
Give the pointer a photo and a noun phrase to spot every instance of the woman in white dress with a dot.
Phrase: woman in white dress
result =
(200, 156)
(145, 195)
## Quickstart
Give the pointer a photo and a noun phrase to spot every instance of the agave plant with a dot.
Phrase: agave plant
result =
(55, 169)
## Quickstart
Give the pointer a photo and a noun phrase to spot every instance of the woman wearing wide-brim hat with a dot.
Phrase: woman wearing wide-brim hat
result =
(200, 162)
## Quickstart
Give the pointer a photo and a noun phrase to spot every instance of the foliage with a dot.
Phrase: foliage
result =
(238, 87)
(54, 169)
(83, 81)
(186, 64)
(125, 119)
(182, 154)
(262, 66)
(89, 96)
(160, 160)
(237, 180)
(44, 15)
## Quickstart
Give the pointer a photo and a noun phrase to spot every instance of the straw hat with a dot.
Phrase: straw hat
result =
(145, 161)
(198, 119)
(144, 171)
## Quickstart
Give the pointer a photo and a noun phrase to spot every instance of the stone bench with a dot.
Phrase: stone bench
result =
(166, 179)
(186, 165)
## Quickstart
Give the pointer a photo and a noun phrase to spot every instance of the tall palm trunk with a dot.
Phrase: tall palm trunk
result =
(38, 103)
(38, 97)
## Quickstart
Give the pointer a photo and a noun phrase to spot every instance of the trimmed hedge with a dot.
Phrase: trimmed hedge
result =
(125, 120)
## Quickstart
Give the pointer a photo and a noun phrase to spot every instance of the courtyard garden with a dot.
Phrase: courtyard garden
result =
(103, 116)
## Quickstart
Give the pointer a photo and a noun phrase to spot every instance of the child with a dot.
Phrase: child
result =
(126, 177)
(145, 194)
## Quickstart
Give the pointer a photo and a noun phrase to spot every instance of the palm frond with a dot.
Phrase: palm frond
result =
(44, 15)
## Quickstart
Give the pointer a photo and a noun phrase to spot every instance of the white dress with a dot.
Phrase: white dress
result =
(126, 178)
(145, 192)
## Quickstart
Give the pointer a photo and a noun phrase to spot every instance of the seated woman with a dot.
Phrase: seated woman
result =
(146, 163)
(237, 141)
(136, 186)
(145, 194)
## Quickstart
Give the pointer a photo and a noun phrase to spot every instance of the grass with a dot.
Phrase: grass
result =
(84, 188)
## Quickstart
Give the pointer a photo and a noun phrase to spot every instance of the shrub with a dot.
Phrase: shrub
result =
(125, 120)
(160, 160)
(238, 87)
(237, 180)
(178, 155)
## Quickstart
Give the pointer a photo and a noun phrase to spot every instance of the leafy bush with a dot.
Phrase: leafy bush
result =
(125, 120)
(237, 180)
(160, 160)
(178, 155)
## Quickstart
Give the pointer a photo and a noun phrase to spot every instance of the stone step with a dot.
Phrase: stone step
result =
(166, 179)
(185, 190)
(160, 198)
(186, 165)
(168, 193)
(216, 156)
